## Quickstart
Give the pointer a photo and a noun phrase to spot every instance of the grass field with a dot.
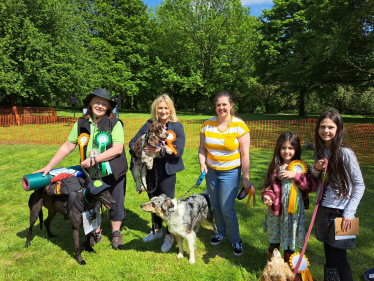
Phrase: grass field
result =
(54, 258)
(123, 113)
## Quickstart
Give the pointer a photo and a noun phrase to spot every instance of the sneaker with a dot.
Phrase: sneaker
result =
(238, 248)
(153, 236)
(168, 243)
(216, 239)
(117, 242)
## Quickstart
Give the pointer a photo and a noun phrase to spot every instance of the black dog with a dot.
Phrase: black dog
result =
(58, 204)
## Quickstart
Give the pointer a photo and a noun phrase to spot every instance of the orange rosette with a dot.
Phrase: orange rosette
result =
(82, 142)
(301, 168)
(303, 268)
(170, 139)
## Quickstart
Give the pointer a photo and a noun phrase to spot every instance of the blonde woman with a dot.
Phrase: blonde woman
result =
(163, 111)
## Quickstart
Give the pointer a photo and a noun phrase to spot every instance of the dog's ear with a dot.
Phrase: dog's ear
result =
(167, 204)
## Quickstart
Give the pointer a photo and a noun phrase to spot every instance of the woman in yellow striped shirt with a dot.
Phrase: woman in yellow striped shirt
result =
(223, 155)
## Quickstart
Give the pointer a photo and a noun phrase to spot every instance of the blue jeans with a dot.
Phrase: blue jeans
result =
(223, 186)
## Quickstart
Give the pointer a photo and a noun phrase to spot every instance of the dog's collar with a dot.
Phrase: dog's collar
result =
(85, 198)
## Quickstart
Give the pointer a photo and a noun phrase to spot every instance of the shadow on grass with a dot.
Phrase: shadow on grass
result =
(64, 235)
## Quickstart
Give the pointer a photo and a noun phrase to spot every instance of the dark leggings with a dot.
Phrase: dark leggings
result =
(277, 245)
(337, 258)
(165, 185)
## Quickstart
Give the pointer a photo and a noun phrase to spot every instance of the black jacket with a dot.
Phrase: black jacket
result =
(119, 163)
(173, 163)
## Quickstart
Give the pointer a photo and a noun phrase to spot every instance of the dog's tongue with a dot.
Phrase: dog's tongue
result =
(109, 206)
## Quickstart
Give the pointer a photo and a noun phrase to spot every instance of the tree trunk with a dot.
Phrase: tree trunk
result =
(133, 102)
(302, 93)
(13, 99)
(206, 99)
(240, 106)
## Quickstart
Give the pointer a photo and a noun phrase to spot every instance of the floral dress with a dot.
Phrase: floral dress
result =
(287, 229)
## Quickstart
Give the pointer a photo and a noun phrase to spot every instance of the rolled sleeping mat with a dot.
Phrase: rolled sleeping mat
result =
(37, 181)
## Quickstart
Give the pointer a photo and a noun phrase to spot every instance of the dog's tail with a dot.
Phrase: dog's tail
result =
(210, 212)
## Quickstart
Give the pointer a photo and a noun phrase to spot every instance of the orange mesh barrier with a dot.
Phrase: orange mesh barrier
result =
(55, 130)
(21, 115)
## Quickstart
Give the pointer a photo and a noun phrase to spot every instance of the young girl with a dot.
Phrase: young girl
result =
(283, 227)
(342, 192)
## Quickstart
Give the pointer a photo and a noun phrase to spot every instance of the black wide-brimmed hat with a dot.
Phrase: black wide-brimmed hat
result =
(102, 93)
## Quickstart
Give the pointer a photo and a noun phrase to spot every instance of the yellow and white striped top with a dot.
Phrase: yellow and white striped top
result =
(223, 151)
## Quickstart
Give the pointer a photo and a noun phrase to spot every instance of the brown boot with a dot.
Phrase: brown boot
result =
(117, 242)
(287, 260)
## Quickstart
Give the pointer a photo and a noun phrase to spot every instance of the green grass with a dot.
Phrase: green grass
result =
(54, 258)
(125, 113)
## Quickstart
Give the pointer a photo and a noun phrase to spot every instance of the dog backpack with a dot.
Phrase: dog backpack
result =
(68, 186)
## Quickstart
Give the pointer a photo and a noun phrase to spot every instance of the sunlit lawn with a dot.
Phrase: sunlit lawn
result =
(54, 258)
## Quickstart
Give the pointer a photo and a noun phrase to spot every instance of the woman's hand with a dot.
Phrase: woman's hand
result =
(285, 175)
(267, 201)
(203, 168)
(320, 165)
(346, 224)
(45, 171)
(87, 163)
(246, 185)
(150, 149)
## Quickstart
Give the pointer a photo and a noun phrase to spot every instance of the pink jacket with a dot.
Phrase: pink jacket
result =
(306, 183)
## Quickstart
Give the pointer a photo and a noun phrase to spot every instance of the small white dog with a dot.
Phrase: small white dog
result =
(277, 269)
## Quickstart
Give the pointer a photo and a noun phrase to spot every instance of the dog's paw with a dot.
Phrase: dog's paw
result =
(168, 150)
(180, 256)
(191, 261)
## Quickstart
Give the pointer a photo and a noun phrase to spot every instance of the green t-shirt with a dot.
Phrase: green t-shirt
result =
(116, 134)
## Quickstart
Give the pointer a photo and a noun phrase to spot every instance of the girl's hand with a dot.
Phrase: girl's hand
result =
(285, 175)
(267, 201)
(320, 165)
(203, 168)
(346, 224)
(45, 171)
(150, 149)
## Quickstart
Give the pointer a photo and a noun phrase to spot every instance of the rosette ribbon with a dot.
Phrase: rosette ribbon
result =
(299, 167)
(303, 268)
(250, 194)
(82, 142)
(170, 139)
(102, 139)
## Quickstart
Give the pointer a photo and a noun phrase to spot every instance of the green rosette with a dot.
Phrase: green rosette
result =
(102, 139)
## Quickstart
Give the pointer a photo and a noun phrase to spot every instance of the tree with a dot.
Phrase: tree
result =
(118, 34)
(42, 58)
(207, 46)
(309, 44)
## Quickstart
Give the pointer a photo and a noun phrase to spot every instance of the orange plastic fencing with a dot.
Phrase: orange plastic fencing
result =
(40, 129)
(21, 115)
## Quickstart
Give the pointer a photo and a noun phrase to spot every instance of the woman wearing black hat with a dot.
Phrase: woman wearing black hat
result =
(100, 119)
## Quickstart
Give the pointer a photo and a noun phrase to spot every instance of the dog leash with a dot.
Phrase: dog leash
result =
(311, 222)
(198, 182)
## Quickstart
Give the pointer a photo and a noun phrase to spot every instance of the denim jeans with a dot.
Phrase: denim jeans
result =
(223, 186)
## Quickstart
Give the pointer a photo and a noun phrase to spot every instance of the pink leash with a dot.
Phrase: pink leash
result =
(312, 222)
